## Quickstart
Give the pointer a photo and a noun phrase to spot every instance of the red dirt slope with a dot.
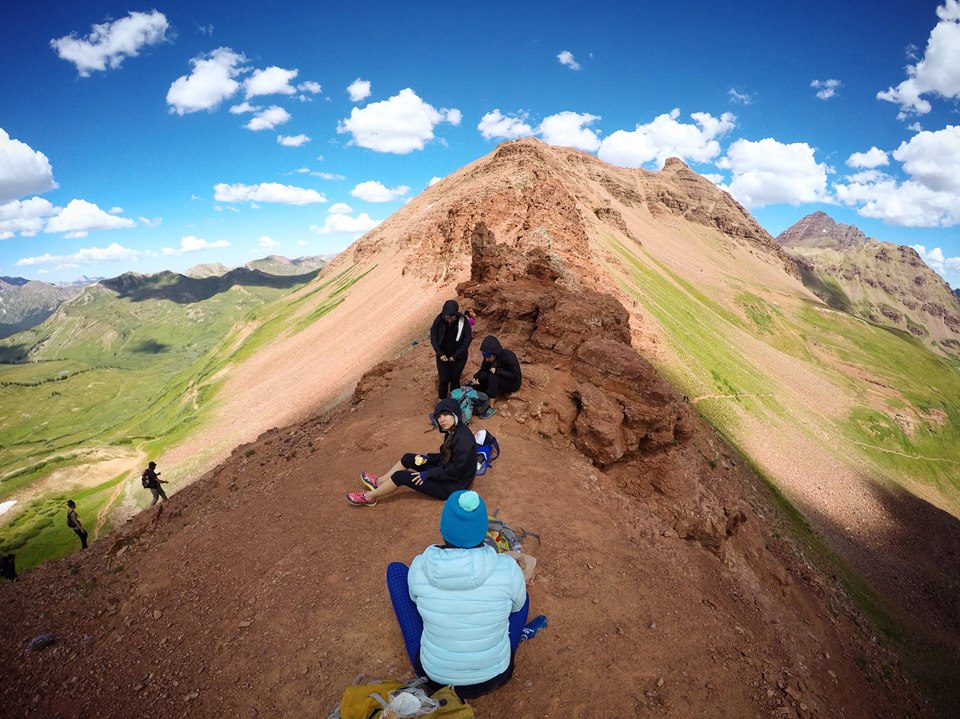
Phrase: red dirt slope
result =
(670, 583)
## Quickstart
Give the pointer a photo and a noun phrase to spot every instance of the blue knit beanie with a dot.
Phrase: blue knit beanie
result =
(463, 522)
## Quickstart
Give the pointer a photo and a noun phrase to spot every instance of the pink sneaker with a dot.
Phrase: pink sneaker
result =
(359, 499)
(370, 481)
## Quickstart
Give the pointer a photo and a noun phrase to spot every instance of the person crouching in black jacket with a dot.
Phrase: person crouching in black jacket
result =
(437, 475)
(500, 371)
(450, 336)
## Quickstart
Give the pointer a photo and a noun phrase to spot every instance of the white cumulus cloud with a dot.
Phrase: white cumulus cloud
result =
(268, 119)
(769, 172)
(929, 197)
(569, 129)
(739, 98)
(271, 81)
(86, 256)
(343, 223)
(210, 83)
(266, 192)
(292, 140)
(665, 137)
(267, 243)
(938, 73)
(110, 43)
(373, 191)
(874, 157)
(566, 58)
(23, 170)
(433, 181)
(148, 222)
(310, 86)
(25, 217)
(826, 88)
(190, 243)
(340, 208)
(495, 125)
(244, 107)
(80, 217)
(359, 90)
(400, 125)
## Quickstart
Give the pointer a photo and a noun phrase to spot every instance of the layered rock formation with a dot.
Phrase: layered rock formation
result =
(883, 283)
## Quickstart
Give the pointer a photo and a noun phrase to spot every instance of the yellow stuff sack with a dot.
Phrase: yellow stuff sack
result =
(367, 701)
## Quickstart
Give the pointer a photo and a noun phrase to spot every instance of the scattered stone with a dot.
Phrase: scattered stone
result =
(244, 623)
(191, 696)
(157, 614)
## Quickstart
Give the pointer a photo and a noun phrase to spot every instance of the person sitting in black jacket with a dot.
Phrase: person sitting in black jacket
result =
(500, 371)
(450, 336)
(437, 475)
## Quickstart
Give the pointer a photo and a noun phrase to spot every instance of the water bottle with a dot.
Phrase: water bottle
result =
(534, 626)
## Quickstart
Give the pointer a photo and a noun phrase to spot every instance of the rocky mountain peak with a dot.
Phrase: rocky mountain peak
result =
(818, 229)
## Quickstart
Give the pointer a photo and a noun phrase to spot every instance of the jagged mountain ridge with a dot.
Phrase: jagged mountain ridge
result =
(881, 282)
(818, 229)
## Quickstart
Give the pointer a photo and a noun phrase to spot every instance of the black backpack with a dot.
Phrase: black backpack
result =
(145, 479)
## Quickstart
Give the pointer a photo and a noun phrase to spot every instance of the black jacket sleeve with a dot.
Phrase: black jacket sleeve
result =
(462, 467)
(435, 334)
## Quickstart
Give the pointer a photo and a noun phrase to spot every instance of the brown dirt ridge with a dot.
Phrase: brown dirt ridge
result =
(671, 582)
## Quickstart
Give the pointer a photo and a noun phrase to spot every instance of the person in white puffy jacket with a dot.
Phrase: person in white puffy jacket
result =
(461, 605)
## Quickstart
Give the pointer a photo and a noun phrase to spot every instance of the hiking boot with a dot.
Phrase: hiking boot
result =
(370, 481)
(489, 413)
(359, 499)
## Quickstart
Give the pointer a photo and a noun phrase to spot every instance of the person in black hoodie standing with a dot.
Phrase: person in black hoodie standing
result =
(437, 475)
(450, 336)
(500, 371)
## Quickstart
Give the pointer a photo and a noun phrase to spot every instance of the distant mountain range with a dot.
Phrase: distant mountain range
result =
(272, 265)
(883, 283)
(26, 303)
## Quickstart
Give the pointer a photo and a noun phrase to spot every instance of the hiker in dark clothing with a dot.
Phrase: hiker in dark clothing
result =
(8, 567)
(437, 475)
(450, 336)
(73, 521)
(500, 371)
(151, 480)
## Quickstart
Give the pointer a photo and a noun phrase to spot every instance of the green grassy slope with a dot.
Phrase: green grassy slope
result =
(111, 376)
(908, 430)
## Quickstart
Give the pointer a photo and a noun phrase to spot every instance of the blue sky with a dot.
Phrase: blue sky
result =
(163, 136)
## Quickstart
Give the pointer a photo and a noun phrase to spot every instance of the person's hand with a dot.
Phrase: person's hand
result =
(417, 478)
(444, 358)
(493, 370)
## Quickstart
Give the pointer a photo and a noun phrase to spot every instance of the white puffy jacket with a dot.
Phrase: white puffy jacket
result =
(465, 597)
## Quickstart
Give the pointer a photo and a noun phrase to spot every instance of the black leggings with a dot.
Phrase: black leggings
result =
(430, 487)
(82, 533)
(494, 386)
(449, 376)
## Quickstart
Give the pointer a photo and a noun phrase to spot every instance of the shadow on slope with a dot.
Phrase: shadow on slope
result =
(186, 290)
(907, 550)
(14, 353)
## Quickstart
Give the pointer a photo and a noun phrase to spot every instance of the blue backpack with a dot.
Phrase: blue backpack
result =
(488, 449)
(471, 402)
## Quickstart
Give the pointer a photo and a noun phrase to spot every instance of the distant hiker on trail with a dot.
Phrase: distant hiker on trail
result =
(500, 371)
(470, 318)
(73, 521)
(450, 336)
(461, 606)
(437, 475)
(151, 480)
